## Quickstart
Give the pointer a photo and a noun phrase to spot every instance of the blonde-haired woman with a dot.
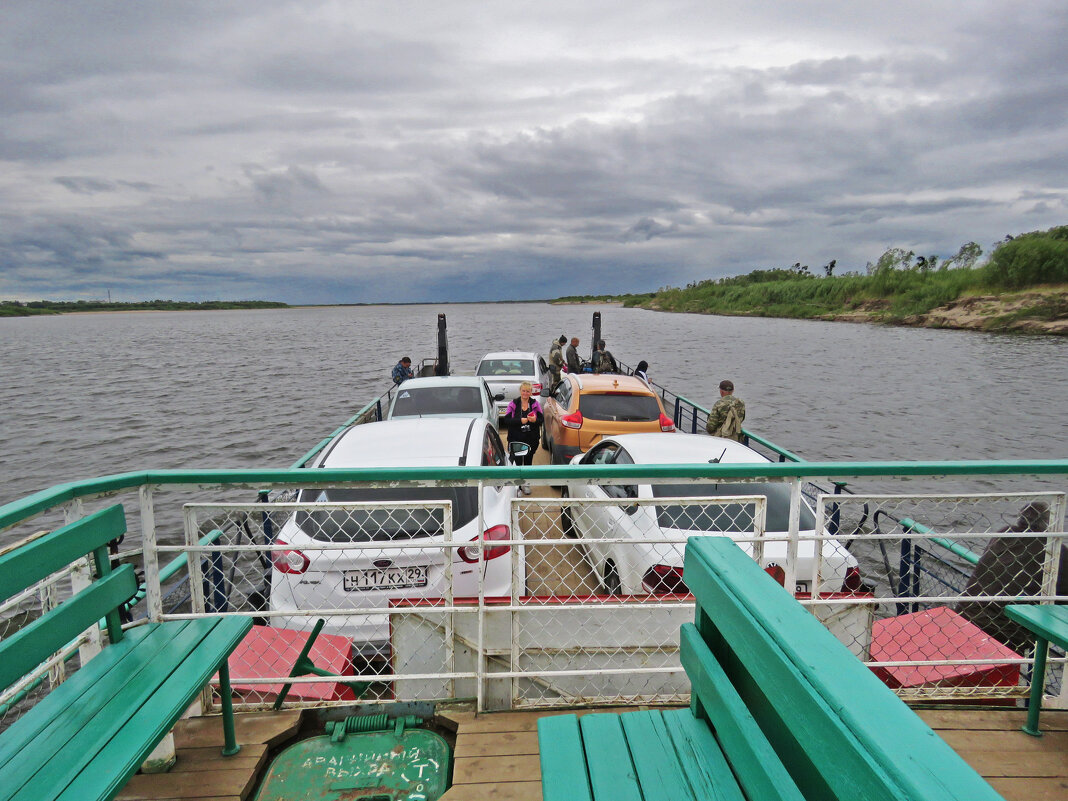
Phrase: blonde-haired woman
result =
(523, 419)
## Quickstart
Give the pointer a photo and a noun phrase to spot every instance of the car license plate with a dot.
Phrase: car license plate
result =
(802, 586)
(390, 578)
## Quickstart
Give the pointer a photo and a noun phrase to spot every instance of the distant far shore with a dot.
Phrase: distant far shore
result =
(11, 308)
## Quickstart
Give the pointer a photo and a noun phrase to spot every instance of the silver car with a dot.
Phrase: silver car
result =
(445, 396)
(504, 371)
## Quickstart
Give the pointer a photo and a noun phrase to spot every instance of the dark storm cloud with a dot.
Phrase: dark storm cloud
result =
(426, 152)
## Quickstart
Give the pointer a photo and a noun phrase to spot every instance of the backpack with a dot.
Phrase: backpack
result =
(732, 426)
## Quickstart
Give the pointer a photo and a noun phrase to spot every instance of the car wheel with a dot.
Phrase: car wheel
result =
(611, 579)
(567, 525)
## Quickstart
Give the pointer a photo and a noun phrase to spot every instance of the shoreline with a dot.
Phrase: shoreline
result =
(991, 314)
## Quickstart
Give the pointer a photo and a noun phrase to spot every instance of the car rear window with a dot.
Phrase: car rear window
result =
(619, 407)
(385, 523)
(506, 367)
(439, 400)
(731, 517)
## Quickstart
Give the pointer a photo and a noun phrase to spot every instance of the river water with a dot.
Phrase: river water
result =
(93, 394)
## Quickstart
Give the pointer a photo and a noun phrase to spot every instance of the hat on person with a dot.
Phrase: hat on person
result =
(726, 386)
(562, 339)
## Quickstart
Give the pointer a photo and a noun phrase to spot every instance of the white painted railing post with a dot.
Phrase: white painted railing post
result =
(153, 592)
(790, 568)
(80, 578)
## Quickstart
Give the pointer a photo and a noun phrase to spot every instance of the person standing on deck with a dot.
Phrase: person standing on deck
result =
(402, 371)
(603, 360)
(556, 361)
(524, 419)
(642, 371)
(574, 363)
(725, 419)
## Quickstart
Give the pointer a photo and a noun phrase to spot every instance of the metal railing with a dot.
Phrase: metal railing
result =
(507, 648)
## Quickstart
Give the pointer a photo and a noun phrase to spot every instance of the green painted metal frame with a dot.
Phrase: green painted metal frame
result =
(1049, 624)
(23, 509)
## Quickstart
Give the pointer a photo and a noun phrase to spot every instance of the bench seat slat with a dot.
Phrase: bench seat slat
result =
(755, 762)
(100, 707)
(660, 774)
(701, 758)
(159, 715)
(25, 566)
(563, 762)
(1048, 621)
(96, 742)
(612, 774)
(862, 720)
(111, 664)
(32, 644)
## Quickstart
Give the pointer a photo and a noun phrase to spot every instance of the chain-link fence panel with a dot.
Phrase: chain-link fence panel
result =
(358, 568)
(942, 569)
(598, 598)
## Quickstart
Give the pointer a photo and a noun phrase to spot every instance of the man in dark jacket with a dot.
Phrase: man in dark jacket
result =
(574, 363)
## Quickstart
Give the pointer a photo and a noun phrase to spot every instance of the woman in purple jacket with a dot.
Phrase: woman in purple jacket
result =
(523, 418)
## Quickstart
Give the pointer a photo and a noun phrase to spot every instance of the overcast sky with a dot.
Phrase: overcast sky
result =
(386, 151)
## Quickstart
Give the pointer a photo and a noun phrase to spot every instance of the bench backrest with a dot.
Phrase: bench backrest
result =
(839, 732)
(24, 566)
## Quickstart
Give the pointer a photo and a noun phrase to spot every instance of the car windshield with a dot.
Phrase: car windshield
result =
(731, 517)
(385, 523)
(506, 367)
(619, 407)
(437, 400)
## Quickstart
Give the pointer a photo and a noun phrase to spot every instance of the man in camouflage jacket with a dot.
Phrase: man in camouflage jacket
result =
(726, 417)
(556, 360)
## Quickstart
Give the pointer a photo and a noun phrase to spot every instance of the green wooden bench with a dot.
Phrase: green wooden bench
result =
(91, 733)
(1049, 624)
(780, 710)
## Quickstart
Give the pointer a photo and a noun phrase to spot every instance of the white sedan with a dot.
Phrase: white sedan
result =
(504, 371)
(639, 566)
(306, 579)
(445, 396)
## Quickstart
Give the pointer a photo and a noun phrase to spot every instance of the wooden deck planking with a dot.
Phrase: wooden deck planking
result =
(201, 772)
(496, 753)
(1020, 767)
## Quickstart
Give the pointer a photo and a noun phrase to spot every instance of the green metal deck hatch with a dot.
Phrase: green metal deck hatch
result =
(353, 761)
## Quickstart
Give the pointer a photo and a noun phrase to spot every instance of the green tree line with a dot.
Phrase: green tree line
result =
(12, 308)
(899, 283)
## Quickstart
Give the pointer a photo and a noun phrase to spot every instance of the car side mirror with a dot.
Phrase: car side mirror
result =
(517, 449)
(499, 396)
(544, 392)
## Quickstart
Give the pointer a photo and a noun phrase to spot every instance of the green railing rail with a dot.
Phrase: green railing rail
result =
(767, 443)
(25, 508)
(360, 415)
(968, 556)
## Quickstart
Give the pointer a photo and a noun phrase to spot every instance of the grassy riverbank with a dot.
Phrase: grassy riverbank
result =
(10, 308)
(1022, 287)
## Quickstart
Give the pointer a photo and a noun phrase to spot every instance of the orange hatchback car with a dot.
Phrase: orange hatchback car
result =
(586, 407)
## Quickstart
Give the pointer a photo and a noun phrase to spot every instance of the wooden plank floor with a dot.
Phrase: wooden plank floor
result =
(1020, 767)
(202, 773)
(497, 754)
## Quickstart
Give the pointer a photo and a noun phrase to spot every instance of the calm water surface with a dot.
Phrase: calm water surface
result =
(93, 394)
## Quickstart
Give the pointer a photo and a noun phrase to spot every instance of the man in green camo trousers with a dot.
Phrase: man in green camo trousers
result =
(726, 417)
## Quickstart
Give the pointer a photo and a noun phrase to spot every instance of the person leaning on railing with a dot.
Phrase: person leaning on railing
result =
(402, 371)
